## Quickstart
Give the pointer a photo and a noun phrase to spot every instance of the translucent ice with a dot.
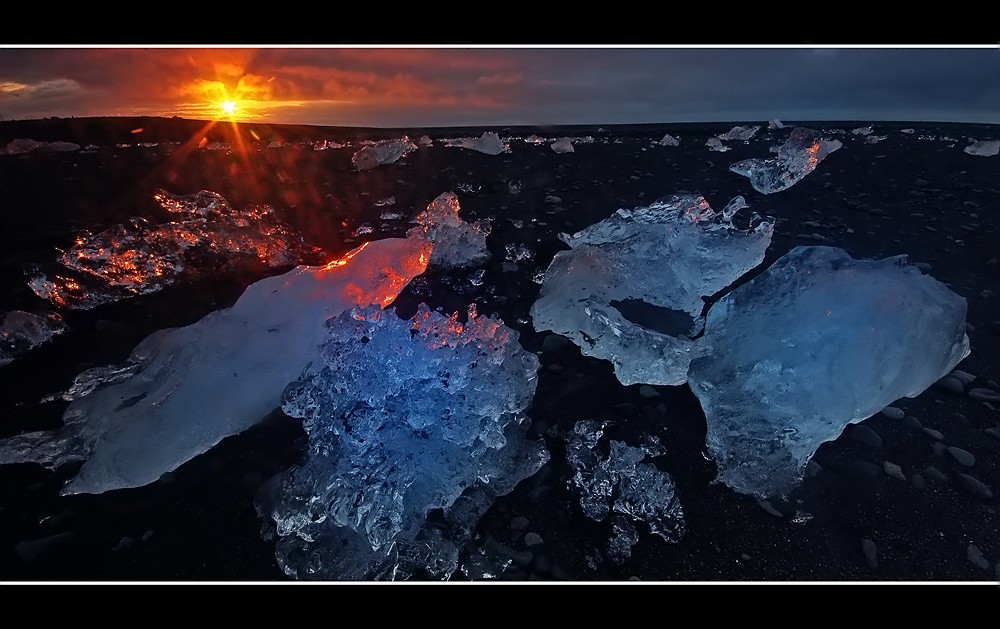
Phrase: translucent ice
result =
(739, 133)
(622, 483)
(415, 426)
(562, 145)
(775, 124)
(195, 385)
(816, 342)
(653, 265)
(862, 130)
(715, 144)
(139, 258)
(456, 243)
(669, 140)
(489, 143)
(382, 152)
(23, 331)
(984, 148)
(797, 157)
(26, 145)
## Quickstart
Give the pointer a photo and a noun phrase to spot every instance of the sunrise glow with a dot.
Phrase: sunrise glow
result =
(228, 107)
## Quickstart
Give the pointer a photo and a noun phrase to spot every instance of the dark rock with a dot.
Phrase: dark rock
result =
(892, 470)
(918, 481)
(964, 458)
(936, 435)
(951, 384)
(870, 552)
(866, 436)
(893, 412)
(974, 486)
(125, 544)
(912, 422)
(985, 395)
(36, 550)
(648, 392)
(935, 474)
(976, 557)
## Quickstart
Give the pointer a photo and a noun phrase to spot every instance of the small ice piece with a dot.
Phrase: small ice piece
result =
(715, 144)
(875, 139)
(516, 252)
(535, 139)
(27, 145)
(425, 141)
(908, 131)
(862, 130)
(632, 288)
(817, 341)
(622, 483)
(735, 204)
(775, 124)
(22, 331)
(382, 152)
(669, 140)
(384, 202)
(797, 157)
(562, 145)
(984, 148)
(739, 133)
(139, 258)
(415, 427)
(324, 145)
(363, 229)
(195, 385)
(456, 243)
(489, 143)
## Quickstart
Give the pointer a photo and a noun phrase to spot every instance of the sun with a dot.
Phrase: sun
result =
(228, 107)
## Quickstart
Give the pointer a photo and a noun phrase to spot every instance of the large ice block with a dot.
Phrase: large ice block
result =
(415, 426)
(656, 264)
(195, 385)
(382, 152)
(817, 341)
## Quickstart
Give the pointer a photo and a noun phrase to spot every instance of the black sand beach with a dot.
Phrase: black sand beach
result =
(857, 517)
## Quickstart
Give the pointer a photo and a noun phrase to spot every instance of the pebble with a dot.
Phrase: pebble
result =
(553, 199)
(648, 392)
(912, 422)
(935, 474)
(31, 551)
(768, 507)
(125, 544)
(976, 557)
(986, 395)
(148, 535)
(893, 413)
(871, 553)
(865, 468)
(518, 523)
(939, 449)
(975, 486)
(951, 384)
(744, 557)
(918, 481)
(554, 342)
(936, 435)
(866, 436)
(962, 418)
(963, 457)
(993, 432)
(532, 538)
(964, 376)
(893, 470)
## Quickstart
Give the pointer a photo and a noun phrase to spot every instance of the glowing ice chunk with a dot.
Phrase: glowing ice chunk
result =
(797, 157)
(456, 242)
(195, 385)
(415, 426)
(984, 148)
(22, 331)
(489, 143)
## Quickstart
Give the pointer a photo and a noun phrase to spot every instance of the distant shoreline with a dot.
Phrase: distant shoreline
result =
(130, 129)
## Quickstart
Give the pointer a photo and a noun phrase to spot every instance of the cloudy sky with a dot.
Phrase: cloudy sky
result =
(477, 86)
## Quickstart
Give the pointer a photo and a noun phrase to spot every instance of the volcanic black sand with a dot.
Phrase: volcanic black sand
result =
(917, 194)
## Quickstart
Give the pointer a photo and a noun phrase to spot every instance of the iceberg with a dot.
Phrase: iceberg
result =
(816, 342)
(739, 133)
(715, 144)
(775, 124)
(27, 145)
(562, 145)
(185, 389)
(862, 130)
(625, 485)
(139, 258)
(489, 143)
(415, 427)
(984, 148)
(382, 152)
(797, 157)
(669, 140)
(457, 244)
(632, 287)
(22, 331)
